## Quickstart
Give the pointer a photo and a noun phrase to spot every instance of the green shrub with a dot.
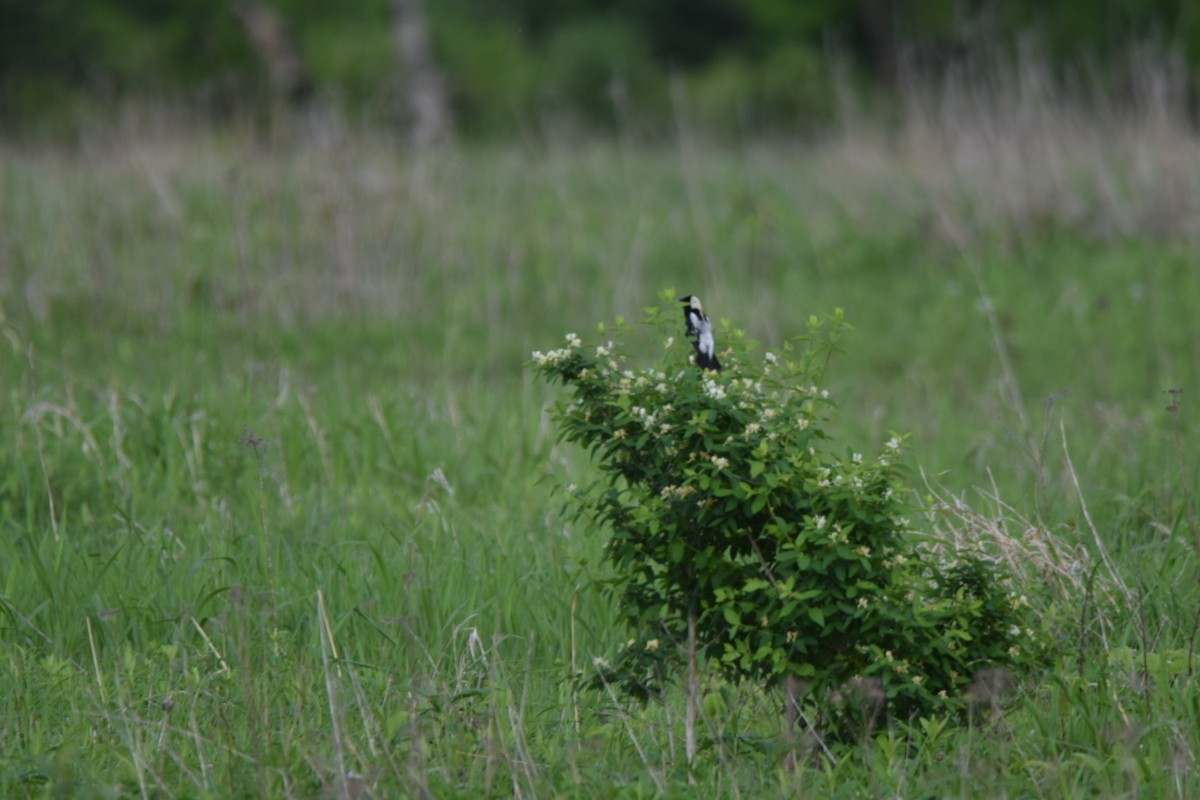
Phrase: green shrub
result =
(599, 69)
(729, 509)
(790, 90)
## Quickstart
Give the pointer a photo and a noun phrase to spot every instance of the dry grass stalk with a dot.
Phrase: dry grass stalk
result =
(1031, 553)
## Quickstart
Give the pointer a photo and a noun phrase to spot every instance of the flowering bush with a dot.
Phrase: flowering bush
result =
(736, 524)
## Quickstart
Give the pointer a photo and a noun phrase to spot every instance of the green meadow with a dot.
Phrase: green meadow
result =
(280, 501)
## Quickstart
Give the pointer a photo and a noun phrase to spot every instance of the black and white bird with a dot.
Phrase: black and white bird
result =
(699, 330)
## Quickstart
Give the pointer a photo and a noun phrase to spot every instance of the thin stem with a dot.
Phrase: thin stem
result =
(693, 689)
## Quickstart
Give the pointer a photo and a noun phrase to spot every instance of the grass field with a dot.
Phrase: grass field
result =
(279, 501)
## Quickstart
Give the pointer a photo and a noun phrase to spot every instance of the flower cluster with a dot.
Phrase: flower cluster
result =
(714, 390)
(677, 492)
(560, 355)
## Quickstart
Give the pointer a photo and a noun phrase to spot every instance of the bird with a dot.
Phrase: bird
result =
(699, 330)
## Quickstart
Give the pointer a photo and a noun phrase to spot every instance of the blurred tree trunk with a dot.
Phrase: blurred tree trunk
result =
(269, 35)
(878, 19)
(428, 107)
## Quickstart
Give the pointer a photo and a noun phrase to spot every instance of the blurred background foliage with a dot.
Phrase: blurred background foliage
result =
(512, 66)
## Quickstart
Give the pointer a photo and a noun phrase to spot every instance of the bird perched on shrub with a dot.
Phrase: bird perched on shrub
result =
(699, 330)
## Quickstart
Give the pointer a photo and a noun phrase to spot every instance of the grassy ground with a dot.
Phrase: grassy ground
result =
(278, 498)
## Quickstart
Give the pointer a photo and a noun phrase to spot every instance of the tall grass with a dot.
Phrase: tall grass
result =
(279, 502)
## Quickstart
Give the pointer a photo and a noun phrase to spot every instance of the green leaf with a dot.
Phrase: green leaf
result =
(816, 615)
(731, 616)
(675, 550)
(756, 468)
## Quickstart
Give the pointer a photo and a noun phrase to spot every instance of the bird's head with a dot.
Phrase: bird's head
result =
(691, 301)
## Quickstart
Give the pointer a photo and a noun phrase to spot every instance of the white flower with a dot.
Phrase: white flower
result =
(574, 340)
(670, 341)
(770, 358)
(893, 443)
(819, 521)
(856, 458)
(720, 462)
(652, 644)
